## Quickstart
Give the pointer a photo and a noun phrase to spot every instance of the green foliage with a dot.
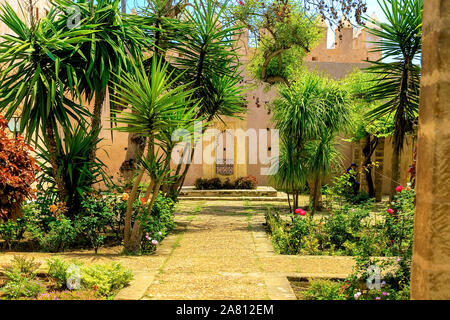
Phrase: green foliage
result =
(354, 230)
(61, 235)
(105, 279)
(77, 170)
(358, 84)
(158, 224)
(398, 86)
(94, 219)
(308, 115)
(21, 279)
(248, 182)
(324, 290)
(57, 270)
(290, 32)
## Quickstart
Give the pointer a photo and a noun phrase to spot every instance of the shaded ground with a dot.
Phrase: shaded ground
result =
(219, 250)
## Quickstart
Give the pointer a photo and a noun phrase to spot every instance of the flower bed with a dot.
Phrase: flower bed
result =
(65, 280)
(380, 241)
(47, 226)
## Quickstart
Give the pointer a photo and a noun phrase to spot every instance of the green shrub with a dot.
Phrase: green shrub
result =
(19, 286)
(324, 290)
(69, 295)
(60, 236)
(158, 224)
(21, 279)
(58, 270)
(248, 182)
(8, 232)
(105, 279)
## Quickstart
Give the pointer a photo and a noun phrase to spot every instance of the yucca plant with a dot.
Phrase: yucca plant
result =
(77, 170)
(117, 39)
(399, 84)
(39, 67)
(152, 104)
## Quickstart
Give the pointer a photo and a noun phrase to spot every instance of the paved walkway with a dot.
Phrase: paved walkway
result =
(219, 250)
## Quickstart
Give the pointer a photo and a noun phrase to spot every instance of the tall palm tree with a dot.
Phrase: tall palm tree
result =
(308, 115)
(153, 104)
(399, 84)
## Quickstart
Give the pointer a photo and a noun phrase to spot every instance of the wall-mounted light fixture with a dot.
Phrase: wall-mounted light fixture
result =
(14, 125)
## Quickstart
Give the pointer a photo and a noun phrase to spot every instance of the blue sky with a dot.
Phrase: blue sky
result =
(372, 7)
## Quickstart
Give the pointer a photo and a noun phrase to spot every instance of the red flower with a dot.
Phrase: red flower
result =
(241, 3)
(390, 211)
(300, 212)
(399, 189)
(143, 201)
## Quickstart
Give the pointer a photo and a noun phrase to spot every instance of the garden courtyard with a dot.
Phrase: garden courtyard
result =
(224, 150)
(219, 250)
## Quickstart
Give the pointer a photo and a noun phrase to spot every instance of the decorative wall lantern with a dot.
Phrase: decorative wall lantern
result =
(14, 125)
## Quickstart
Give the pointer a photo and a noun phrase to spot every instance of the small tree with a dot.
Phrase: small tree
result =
(153, 104)
(358, 84)
(309, 114)
(17, 173)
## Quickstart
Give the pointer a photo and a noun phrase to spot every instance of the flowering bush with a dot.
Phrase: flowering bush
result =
(17, 173)
(385, 244)
(351, 230)
(158, 224)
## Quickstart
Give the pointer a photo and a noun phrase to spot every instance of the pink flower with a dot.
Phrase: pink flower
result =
(390, 211)
(377, 298)
(147, 236)
(357, 295)
(155, 242)
(385, 294)
(300, 212)
(399, 188)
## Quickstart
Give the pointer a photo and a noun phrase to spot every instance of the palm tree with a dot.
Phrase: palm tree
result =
(153, 104)
(116, 39)
(39, 67)
(308, 115)
(399, 84)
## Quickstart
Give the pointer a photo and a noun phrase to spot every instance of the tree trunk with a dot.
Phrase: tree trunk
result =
(315, 194)
(395, 177)
(135, 149)
(368, 151)
(129, 212)
(97, 119)
(53, 155)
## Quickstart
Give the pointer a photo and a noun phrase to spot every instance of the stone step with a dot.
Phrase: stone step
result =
(262, 191)
(200, 198)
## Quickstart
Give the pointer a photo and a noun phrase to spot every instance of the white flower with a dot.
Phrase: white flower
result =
(357, 295)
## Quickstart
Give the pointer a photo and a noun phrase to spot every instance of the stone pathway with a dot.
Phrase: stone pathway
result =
(219, 250)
